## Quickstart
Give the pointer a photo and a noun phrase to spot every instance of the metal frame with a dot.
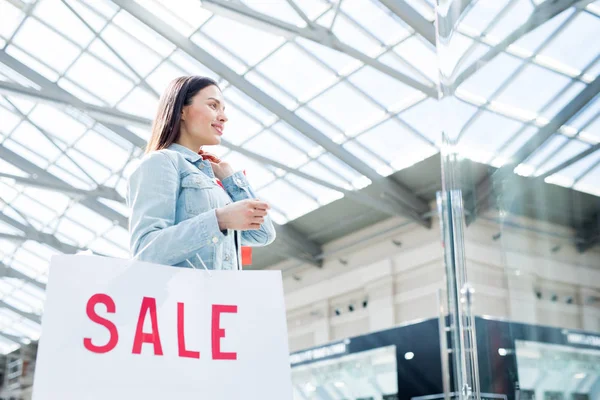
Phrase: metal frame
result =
(505, 174)
(410, 205)
(40, 237)
(312, 32)
(112, 120)
(543, 13)
(101, 191)
(13, 338)
(30, 316)
(7, 272)
(110, 193)
(589, 233)
(415, 20)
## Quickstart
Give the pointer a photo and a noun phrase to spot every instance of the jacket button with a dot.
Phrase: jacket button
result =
(226, 257)
(215, 240)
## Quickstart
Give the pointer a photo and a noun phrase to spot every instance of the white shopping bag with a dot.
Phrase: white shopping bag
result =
(118, 329)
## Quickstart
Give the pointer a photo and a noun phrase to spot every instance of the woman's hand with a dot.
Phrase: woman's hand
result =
(221, 169)
(242, 215)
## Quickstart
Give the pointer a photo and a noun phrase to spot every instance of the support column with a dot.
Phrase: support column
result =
(380, 297)
(321, 325)
(590, 314)
(522, 301)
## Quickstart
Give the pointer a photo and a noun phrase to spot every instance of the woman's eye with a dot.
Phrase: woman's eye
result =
(214, 106)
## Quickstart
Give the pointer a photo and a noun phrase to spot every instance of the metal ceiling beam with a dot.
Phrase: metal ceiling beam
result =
(543, 13)
(101, 191)
(13, 338)
(447, 18)
(313, 32)
(570, 161)
(129, 119)
(57, 95)
(504, 176)
(11, 237)
(55, 98)
(7, 272)
(303, 246)
(93, 204)
(410, 205)
(577, 104)
(357, 196)
(589, 233)
(412, 17)
(41, 237)
(30, 316)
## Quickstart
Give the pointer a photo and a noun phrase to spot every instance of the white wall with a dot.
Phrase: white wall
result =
(401, 282)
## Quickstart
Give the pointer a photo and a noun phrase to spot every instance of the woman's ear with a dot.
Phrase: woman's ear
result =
(183, 113)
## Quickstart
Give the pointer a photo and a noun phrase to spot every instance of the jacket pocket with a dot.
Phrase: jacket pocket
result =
(197, 193)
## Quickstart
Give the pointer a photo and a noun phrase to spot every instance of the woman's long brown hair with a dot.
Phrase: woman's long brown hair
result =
(166, 124)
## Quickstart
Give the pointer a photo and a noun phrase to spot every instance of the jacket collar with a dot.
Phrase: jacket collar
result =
(188, 154)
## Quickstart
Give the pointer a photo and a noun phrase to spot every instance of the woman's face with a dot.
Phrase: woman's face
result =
(203, 121)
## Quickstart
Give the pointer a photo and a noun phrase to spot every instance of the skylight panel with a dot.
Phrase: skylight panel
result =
(280, 10)
(25, 153)
(271, 89)
(585, 29)
(322, 171)
(58, 15)
(111, 88)
(93, 221)
(391, 141)
(46, 50)
(137, 54)
(512, 20)
(351, 35)
(32, 63)
(75, 231)
(8, 121)
(561, 154)
(488, 132)
(10, 19)
(240, 127)
(144, 34)
(289, 200)
(270, 145)
(419, 55)
(31, 138)
(381, 87)
(533, 88)
(388, 29)
(309, 76)
(33, 209)
(344, 106)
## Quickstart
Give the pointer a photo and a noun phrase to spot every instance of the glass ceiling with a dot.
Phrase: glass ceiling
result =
(80, 79)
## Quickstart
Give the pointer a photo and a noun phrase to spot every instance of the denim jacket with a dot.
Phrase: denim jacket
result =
(172, 195)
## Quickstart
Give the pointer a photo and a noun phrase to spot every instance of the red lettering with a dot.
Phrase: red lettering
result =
(183, 352)
(148, 304)
(112, 329)
(218, 333)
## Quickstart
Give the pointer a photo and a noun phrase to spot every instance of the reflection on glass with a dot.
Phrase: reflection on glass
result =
(519, 103)
(549, 371)
(366, 375)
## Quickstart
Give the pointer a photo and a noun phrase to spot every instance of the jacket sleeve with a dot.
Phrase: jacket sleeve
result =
(238, 188)
(152, 194)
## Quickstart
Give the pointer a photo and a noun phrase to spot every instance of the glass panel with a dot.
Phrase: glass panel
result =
(519, 206)
(28, 39)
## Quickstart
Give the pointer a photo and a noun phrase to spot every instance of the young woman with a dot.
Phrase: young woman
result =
(180, 215)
